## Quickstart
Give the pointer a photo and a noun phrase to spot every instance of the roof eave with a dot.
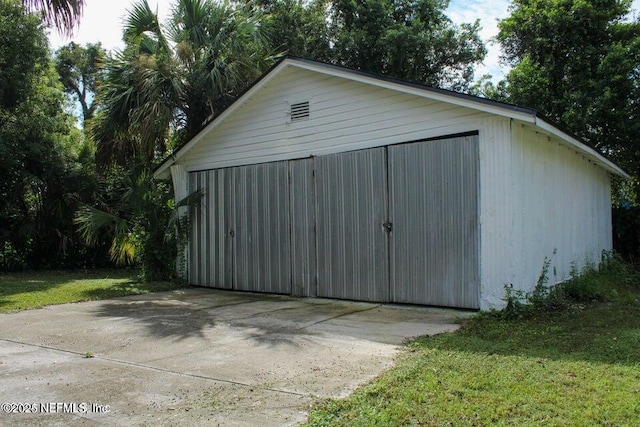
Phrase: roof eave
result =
(588, 151)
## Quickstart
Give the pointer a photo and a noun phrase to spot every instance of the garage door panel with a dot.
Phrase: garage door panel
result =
(351, 210)
(210, 253)
(303, 242)
(261, 228)
(433, 207)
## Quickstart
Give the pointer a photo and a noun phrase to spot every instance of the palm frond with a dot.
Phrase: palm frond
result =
(192, 200)
(123, 249)
(62, 14)
(142, 23)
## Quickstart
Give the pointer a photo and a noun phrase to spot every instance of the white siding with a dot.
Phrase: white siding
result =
(562, 202)
(345, 115)
(496, 211)
(537, 196)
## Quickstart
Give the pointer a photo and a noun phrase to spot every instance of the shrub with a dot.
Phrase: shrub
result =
(626, 232)
(613, 280)
(10, 258)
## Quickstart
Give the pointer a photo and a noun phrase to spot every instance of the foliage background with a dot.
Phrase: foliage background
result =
(83, 196)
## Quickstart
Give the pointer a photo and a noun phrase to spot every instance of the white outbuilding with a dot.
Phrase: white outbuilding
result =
(330, 182)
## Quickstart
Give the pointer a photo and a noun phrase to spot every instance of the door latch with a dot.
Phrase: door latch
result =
(388, 226)
(232, 233)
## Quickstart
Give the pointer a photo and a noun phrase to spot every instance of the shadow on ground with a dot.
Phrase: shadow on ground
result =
(264, 319)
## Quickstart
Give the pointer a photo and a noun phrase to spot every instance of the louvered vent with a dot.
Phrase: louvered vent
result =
(299, 111)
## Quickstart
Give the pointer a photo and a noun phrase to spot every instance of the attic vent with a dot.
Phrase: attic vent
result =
(299, 111)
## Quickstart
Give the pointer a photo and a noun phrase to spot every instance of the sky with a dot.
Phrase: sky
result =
(102, 21)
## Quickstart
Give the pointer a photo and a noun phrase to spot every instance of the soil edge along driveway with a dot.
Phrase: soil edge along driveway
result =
(196, 357)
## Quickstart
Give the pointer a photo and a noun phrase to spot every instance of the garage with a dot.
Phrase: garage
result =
(322, 181)
(389, 224)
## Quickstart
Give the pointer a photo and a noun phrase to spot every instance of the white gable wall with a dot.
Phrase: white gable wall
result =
(345, 115)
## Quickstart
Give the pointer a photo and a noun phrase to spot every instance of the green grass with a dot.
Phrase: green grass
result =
(32, 289)
(579, 366)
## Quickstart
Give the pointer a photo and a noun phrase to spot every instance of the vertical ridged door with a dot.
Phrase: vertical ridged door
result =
(303, 221)
(433, 205)
(351, 193)
(210, 251)
(261, 242)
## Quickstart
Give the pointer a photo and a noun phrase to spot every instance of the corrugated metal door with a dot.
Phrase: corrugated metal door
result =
(261, 247)
(303, 223)
(351, 212)
(433, 198)
(210, 256)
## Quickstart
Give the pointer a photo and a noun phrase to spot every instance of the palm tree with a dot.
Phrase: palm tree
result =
(62, 14)
(138, 215)
(159, 91)
(169, 80)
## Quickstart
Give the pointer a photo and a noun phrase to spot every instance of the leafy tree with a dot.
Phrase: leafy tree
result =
(42, 155)
(131, 206)
(170, 79)
(577, 62)
(484, 87)
(411, 40)
(299, 28)
(79, 69)
(63, 14)
(23, 52)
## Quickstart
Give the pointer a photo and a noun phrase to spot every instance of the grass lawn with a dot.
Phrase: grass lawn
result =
(578, 366)
(32, 289)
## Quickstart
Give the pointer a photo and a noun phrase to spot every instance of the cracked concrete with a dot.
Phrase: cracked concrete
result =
(199, 356)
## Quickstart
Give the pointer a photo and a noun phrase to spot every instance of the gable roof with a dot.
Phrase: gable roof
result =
(523, 114)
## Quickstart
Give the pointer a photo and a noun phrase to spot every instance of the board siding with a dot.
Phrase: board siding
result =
(562, 203)
(537, 196)
(344, 116)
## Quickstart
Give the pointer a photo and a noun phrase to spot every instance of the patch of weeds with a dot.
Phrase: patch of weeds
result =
(541, 297)
(612, 281)
(515, 299)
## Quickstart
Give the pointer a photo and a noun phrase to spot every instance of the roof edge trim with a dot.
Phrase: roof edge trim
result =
(588, 151)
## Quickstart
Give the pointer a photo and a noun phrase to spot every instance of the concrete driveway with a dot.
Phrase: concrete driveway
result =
(197, 357)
